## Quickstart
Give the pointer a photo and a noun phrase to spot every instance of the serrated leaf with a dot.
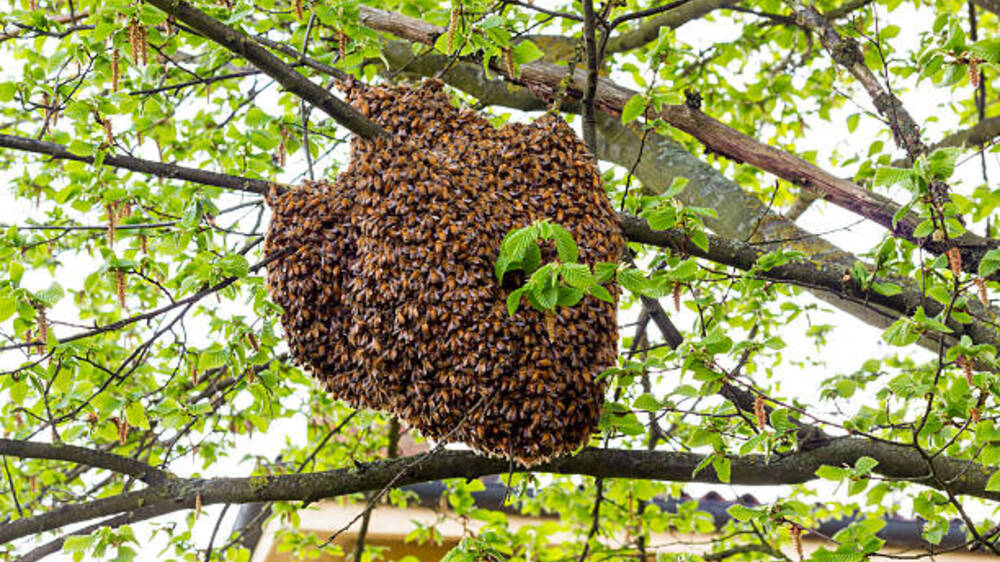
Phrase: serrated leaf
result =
(526, 51)
(50, 296)
(941, 162)
(993, 484)
(547, 297)
(677, 185)
(565, 245)
(514, 301)
(662, 218)
(886, 289)
(234, 265)
(834, 473)
(700, 239)
(633, 108)
(647, 402)
(633, 280)
(135, 413)
(576, 275)
(149, 15)
(902, 332)
(604, 272)
(986, 49)
(212, 358)
(865, 464)
(569, 296)
(601, 293)
(989, 263)
(723, 469)
(741, 512)
(888, 176)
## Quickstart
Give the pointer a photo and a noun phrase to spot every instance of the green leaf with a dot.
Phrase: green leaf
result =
(986, 49)
(662, 218)
(514, 301)
(547, 297)
(722, 468)
(742, 513)
(569, 296)
(7, 91)
(576, 275)
(887, 289)
(135, 413)
(902, 332)
(234, 265)
(677, 185)
(8, 306)
(565, 245)
(532, 258)
(634, 107)
(80, 148)
(149, 15)
(700, 239)
(889, 176)
(50, 296)
(601, 293)
(941, 162)
(647, 402)
(865, 465)
(925, 228)
(993, 484)
(213, 358)
(989, 263)
(828, 472)
(526, 51)
(633, 280)
(604, 272)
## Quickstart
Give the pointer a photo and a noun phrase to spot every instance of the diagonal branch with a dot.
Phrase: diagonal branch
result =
(817, 276)
(248, 48)
(544, 79)
(847, 54)
(895, 461)
(159, 169)
(81, 455)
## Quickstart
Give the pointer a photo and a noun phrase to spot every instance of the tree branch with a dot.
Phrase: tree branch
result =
(159, 169)
(816, 276)
(81, 455)
(245, 46)
(847, 54)
(649, 30)
(895, 461)
(544, 78)
(661, 160)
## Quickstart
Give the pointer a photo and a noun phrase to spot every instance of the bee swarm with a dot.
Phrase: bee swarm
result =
(390, 297)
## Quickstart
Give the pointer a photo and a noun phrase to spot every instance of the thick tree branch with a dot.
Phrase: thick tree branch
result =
(544, 78)
(895, 461)
(989, 5)
(81, 455)
(159, 169)
(816, 276)
(661, 160)
(978, 135)
(649, 29)
(248, 48)
(847, 54)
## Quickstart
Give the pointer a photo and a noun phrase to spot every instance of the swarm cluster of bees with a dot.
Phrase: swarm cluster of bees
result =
(390, 297)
